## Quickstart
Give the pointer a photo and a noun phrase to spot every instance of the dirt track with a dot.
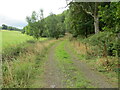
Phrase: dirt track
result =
(53, 76)
(96, 79)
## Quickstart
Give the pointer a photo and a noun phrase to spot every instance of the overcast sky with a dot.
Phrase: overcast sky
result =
(14, 12)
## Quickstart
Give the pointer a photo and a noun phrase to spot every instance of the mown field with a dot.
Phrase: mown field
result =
(13, 38)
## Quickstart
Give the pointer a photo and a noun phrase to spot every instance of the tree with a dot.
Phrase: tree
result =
(55, 26)
(51, 26)
(4, 26)
(79, 22)
(90, 8)
(110, 15)
(35, 24)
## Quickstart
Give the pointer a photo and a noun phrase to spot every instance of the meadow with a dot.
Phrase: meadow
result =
(20, 54)
(12, 38)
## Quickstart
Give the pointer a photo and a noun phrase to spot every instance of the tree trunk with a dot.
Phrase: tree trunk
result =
(96, 18)
(96, 24)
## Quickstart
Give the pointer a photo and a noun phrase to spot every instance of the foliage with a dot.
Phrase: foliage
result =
(35, 25)
(90, 11)
(51, 26)
(101, 39)
(110, 15)
(81, 23)
(55, 25)
(5, 27)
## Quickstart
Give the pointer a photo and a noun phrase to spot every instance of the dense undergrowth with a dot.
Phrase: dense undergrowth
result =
(105, 40)
(21, 65)
(104, 46)
(101, 51)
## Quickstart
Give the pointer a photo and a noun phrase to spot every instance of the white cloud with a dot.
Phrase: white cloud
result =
(12, 22)
(19, 9)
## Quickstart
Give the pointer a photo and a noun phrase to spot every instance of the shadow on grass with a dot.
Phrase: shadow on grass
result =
(31, 41)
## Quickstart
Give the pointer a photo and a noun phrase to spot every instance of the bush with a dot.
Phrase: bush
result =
(102, 40)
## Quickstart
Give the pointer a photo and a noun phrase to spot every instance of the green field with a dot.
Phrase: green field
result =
(13, 38)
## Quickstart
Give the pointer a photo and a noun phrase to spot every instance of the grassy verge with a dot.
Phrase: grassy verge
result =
(73, 78)
(22, 70)
(11, 52)
(96, 63)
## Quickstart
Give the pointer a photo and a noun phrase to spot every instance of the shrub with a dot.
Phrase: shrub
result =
(102, 40)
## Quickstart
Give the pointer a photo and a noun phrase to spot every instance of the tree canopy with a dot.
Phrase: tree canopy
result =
(81, 19)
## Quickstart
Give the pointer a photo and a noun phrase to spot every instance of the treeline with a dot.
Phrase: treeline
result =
(99, 19)
(82, 19)
(91, 18)
(5, 27)
(51, 26)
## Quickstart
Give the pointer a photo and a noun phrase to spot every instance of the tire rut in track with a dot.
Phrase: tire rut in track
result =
(95, 78)
(53, 75)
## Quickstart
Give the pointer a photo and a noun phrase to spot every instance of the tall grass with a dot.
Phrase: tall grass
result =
(93, 55)
(21, 70)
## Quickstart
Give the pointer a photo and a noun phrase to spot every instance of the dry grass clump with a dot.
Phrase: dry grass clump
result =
(81, 48)
(109, 63)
